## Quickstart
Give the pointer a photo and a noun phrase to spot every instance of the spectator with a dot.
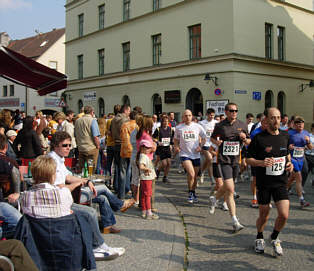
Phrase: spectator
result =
(11, 135)
(249, 121)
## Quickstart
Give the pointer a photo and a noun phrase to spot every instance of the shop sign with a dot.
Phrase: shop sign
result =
(52, 102)
(89, 96)
(240, 91)
(217, 105)
(10, 102)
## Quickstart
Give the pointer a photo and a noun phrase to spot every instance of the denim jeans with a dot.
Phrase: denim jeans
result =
(124, 185)
(107, 201)
(117, 170)
(90, 215)
(10, 216)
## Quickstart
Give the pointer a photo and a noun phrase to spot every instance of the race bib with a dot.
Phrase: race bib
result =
(277, 168)
(298, 152)
(209, 133)
(231, 148)
(189, 136)
(165, 141)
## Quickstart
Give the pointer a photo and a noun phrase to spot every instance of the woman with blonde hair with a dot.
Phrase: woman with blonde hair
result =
(6, 119)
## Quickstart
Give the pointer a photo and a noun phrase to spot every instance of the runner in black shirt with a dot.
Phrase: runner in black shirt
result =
(269, 153)
(163, 136)
(230, 134)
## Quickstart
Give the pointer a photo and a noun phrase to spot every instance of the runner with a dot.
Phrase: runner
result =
(208, 125)
(163, 136)
(269, 153)
(299, 138)
(229, 135)
(189, 139)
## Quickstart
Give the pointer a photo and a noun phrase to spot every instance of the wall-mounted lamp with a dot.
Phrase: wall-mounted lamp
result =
(209, 77)
(70, 97)
(304, 86)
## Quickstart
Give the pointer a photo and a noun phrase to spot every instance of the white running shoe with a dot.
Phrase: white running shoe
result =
(259, 246)
(202, 178)
(212, 204)
(277, 249)
(225, 206)
(116, 250)
(237, 227)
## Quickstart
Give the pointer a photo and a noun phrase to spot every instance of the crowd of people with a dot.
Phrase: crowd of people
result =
(130, 150)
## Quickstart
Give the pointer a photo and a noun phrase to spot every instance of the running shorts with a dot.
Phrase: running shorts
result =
(228, 171)
(264, 195)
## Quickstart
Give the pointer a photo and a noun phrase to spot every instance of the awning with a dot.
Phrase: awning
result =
(27, 72)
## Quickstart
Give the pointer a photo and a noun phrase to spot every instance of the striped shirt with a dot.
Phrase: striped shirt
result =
(47, 201)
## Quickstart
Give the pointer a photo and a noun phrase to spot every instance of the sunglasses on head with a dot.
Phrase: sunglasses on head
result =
(298, 122)
(233, 110)
(66, 145)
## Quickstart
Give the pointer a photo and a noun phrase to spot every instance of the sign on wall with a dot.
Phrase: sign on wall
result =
(89, 96)
(10, 102)
(217, 105)
(52, 102)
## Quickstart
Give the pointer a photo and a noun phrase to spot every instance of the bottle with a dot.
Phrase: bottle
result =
(85, 175)
(29, 173)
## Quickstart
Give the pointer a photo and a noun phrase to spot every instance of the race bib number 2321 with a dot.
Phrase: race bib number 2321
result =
(231, 148)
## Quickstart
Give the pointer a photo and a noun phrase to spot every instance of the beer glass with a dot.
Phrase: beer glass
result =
(90, 164)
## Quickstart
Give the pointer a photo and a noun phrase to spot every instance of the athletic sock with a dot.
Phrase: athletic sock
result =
(301, 198)
(274, 235)
(260, 235)
(254, 197)
(193, 192)
(234, 219)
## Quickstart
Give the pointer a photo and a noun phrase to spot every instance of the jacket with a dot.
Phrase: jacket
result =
(57, 244)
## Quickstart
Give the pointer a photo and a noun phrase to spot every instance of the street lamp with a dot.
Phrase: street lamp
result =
(209, 77)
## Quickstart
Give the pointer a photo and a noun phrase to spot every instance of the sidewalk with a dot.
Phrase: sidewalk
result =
(150, 245)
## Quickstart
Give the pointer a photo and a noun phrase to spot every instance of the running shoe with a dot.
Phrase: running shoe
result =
(259, 246)
(236, 195)
(277, 249)
(212, 204)
(165, 179)
(237, 227)
(202, 178)
(191, 197)
(152, 217)
(195, 199)
(225, 206)
(304, 204)
(157, 174)
(254, 203)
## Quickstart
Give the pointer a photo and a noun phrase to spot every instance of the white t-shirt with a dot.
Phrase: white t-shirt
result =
(249, 126)
(155, 126)
(189, 139)
(144, 159)
(61, 171)
(209, 128)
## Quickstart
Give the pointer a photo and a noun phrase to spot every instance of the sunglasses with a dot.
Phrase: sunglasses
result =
(66, 145)
(233, 110)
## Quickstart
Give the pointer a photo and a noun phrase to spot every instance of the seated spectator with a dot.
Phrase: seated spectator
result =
(16, 252)
(9, 174)
(11, 135)
(108, 202)
(9, 217)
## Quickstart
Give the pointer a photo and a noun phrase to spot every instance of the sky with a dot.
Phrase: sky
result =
(20, 18)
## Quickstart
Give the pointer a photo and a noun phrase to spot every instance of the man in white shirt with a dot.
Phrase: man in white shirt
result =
(189, 139)
(61, 144)
(249, 121)
(156, 123)
(208, 124)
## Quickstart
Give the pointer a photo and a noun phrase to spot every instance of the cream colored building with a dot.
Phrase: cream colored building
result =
(157, 57)
(47, 49)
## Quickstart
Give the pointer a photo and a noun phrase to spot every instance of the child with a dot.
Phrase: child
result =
(147, 174)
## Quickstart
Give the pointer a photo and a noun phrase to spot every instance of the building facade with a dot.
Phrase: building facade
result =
(47, 49)
(172, 54)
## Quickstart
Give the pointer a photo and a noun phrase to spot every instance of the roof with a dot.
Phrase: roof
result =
(35, 46)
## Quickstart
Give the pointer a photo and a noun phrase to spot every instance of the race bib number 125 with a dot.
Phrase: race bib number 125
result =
(277, 168)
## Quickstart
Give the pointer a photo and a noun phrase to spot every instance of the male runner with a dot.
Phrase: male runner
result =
(189, 139)
(208, 125)
(299, 138)
(230, 134)
(269, 154)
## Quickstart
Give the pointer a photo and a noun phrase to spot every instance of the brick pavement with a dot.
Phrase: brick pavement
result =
(213, 246)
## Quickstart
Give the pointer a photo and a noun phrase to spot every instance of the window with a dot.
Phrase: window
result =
(126, 56)
(156, 4)
(80, 66)
(195, 41)
(53, 65)
(268, 41)
(281, 102)
(81, 24)
(126, 10)
(101, 16)
(156, 49)
(80, 105)
(126, 100)
(11, 90)
(101, 61)
(5, 91)
(101, 107)
(281, 43)
(269, 99)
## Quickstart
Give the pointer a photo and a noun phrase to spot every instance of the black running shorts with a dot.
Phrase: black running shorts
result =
(264, 195)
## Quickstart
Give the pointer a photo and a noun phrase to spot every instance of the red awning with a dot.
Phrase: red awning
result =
(25, 71)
